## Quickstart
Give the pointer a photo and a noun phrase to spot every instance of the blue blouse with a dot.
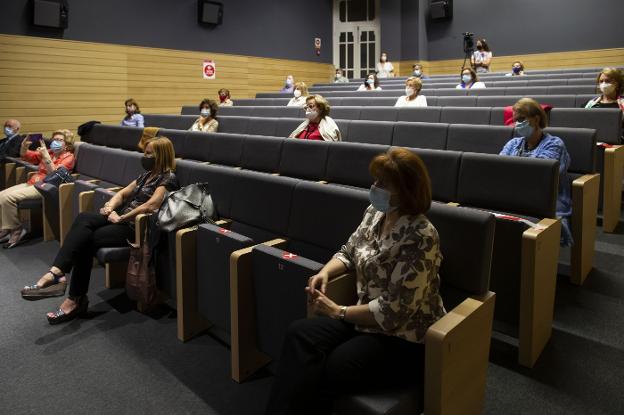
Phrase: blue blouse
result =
(550, 147)
(136, 120)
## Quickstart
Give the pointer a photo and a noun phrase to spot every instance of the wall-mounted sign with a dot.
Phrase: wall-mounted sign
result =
(209, 69)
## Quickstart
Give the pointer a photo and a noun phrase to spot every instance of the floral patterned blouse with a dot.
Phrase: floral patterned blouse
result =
(397, 276)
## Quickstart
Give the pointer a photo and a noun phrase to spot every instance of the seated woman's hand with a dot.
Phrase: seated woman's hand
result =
(323, 306)
(106, 210)
(113, 217)
(317, 282)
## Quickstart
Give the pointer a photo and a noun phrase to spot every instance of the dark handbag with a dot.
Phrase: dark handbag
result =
(141, 276)
(188, 206)
(58, 177)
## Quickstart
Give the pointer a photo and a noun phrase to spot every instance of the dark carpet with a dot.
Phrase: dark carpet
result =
(118, 361)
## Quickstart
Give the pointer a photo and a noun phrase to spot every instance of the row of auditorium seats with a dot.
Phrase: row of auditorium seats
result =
(507, 90)
(511, 265)
(398, 86)
(452, 97)
(606, 122)
(266, 155)
(539, 74)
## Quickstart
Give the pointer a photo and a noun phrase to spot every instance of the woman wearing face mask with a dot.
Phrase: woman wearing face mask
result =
(133, 116)
(384, 68)
(224, 98)
(417, 71)
(340, 78)
(412, 97)
(469, 80)
(517, 69)
(351, 348)
(318, 124)
(206, 122)
(532, 141)
(289, 86)
(610, 84)
(482, 57)
(111, 227)
(61, 153)
(300, 94)
(371, 83)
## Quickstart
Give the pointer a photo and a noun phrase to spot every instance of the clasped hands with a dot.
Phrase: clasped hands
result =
(112, 216)
(321, 304)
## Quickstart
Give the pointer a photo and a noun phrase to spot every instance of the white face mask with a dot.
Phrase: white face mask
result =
(466, 78)
(606, 88)
(205, 113)
(409, 92)
(297, 93)
(311, 115)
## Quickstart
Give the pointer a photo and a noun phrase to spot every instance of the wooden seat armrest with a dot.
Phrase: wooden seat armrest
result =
(30, 174)
(342, 289)
(85, 201)
(322, 181)
(538, 280)
(246, 358)
(224, 223)
(612, 186)
(114, 189)
(457, 349)
(585, 191)
(141, 222)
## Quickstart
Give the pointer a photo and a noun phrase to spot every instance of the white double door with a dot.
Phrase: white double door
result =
(356, 43)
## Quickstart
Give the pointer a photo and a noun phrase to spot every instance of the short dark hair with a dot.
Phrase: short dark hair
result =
(407, 173)
(484, 44)
(210, 103)
(225, 91)
(376, 83)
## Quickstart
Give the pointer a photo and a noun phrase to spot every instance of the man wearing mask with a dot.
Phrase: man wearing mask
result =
(10, 144)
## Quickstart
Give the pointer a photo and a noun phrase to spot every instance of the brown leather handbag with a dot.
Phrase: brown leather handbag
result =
(141, 276)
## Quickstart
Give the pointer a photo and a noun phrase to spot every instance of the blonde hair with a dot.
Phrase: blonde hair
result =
(68, 137)
(614, 75)
(530, 108)
(301, 86)
(321, 104)
(163, 151)
(414, 82)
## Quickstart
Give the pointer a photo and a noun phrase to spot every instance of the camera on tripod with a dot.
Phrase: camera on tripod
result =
(468, 42)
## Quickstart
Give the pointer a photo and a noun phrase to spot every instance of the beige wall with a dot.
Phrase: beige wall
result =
(49, 84)
(559, 60)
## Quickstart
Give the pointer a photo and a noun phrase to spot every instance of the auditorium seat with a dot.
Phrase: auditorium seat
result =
(420, 134)
(375, 132)
(261, 153)
(348, 164)
(459, 115)
(378, 113)
(304, 159)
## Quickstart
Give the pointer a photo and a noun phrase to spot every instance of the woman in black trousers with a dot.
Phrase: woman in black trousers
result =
(111, 227)
(395, 254)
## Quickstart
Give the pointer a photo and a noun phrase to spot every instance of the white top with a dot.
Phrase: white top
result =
(420, 101)
(476, 85)
(384, 70)
(363, 88)
(480, 57)
(297, 102)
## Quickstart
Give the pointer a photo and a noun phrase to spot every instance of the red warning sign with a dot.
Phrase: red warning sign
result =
(288, 255)
(209, 69)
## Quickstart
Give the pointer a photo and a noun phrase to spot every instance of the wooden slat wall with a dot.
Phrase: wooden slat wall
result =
(557, 60)
(50, 83)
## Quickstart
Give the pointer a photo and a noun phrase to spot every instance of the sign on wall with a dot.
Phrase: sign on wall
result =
(209, 69)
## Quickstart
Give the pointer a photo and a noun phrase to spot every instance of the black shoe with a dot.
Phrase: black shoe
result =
(14, 242)
(60, 316)
(56, 288)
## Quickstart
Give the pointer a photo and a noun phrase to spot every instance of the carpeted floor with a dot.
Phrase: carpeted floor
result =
(117, 361)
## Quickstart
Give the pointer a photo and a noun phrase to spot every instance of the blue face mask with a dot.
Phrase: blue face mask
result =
(56, 145)
(466, 78)
(370, 81)
(417, 72)
(516, 69)
(380, 199)
(524, 129)
(8, 131)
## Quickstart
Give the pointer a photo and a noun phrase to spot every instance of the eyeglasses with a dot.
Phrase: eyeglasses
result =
(310, 107)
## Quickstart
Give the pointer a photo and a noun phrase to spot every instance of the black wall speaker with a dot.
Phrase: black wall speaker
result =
(50, 13)
(210, 12)
(441, 9)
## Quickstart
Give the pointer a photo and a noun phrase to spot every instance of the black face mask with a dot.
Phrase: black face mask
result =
(148, 163)
(479, 47)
